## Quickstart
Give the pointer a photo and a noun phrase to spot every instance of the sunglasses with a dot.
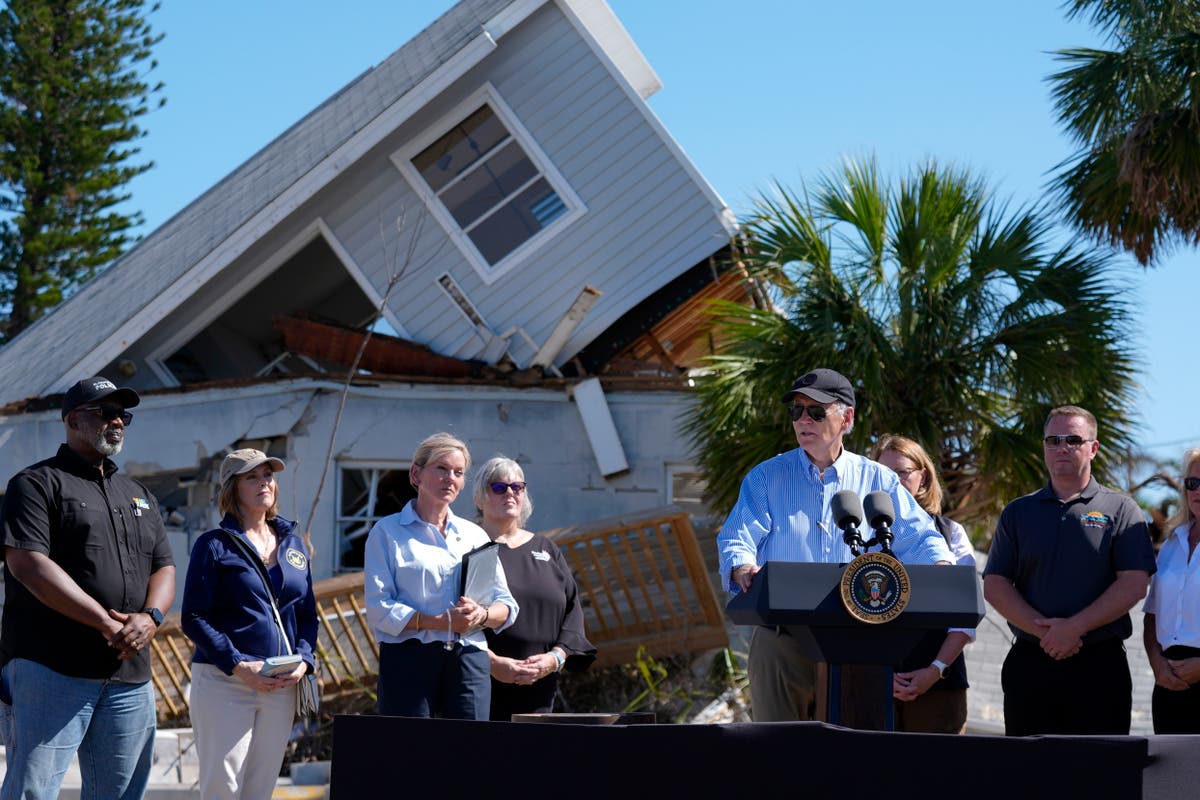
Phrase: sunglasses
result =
(109, 413)
(1070, 441)
(815, 413)
(1191, 484)
(500, 487)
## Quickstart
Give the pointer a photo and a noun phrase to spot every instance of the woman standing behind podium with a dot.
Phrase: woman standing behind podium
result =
(526, 658)
(1172, 630)
(930, 686)
(433, 659)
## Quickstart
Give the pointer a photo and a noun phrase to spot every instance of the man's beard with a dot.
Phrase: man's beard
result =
(105, 447)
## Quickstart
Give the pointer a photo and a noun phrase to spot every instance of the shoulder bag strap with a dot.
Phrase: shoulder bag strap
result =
(254, 558)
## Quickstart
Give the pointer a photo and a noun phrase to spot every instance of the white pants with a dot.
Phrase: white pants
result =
(241, 734)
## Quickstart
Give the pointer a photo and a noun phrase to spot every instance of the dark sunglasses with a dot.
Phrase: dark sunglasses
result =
(1069, 441)
(500, 487)
(109, 413)
(815, 413)
(1191, 484)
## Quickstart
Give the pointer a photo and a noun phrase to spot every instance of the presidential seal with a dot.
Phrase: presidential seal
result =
(875, 588)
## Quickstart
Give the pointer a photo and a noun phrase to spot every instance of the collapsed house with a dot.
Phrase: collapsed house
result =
(489, 233)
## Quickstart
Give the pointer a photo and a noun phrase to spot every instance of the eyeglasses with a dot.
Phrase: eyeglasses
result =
(1191, 484)
(500, 487)
(109, 413)
(1071, 441)
(815, 413)
(904, 473)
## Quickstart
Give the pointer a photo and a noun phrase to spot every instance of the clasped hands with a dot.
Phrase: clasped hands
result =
(908, 686)
(1177, 674)
(1060, 638)
(249, 673)
(466, 615)
(525, 671)
(129, 633)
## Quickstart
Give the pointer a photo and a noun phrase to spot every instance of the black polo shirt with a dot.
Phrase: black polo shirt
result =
(1061, 556)
(106, 533)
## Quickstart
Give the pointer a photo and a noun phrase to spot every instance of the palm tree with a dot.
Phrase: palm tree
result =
(959, 324)
(1134, 112)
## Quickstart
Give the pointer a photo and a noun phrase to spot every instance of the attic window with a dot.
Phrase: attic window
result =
(496, 190)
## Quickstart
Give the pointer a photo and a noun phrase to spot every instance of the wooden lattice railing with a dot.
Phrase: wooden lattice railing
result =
(346, 648)
(641, 578)
(643, 583)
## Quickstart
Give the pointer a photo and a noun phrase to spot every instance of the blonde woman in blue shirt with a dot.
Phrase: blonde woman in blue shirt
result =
(433, 654)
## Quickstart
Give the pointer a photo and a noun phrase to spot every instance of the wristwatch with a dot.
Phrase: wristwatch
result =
(155, 615)
(940, 666)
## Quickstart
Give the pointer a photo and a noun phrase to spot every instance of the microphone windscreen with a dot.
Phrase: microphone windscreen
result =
(847, 509)
(878, 509)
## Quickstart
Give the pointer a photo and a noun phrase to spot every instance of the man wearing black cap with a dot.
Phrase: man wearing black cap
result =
(90, 574)
(783, 514)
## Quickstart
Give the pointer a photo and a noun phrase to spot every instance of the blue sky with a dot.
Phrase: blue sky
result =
(754, 91)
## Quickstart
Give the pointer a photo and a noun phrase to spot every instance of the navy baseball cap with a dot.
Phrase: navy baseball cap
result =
(94, 389)
(824, 386)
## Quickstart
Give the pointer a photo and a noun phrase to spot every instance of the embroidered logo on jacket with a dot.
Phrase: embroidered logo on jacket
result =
(1094, 519)
(540, 555)
(295, 558)
(139, 505)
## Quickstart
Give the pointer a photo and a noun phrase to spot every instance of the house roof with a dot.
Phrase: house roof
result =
(112, 311)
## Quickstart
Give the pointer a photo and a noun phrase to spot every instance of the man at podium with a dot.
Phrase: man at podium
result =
(783, 513)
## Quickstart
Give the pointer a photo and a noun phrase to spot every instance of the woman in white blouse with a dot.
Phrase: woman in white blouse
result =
(1172, 629)
(433, 655)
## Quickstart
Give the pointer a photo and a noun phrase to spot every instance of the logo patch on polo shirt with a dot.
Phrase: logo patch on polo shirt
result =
(295, 558)
(540, 555)
(1094, 519)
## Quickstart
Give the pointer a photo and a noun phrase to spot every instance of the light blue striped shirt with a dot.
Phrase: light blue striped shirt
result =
(783, 514)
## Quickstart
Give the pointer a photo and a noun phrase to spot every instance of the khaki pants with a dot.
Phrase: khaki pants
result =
(782, 679)
(241, 735)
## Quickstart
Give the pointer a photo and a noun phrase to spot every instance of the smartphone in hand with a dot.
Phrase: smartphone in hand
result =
(279, 665)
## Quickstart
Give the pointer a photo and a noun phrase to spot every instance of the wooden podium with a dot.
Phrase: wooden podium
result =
(804, 599)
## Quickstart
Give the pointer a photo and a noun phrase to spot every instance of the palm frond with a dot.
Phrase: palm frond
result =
(959, 323)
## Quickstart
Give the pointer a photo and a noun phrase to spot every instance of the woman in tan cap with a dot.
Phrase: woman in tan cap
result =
(248, 660)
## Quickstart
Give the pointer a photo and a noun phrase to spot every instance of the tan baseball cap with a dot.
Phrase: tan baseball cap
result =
(246, 459)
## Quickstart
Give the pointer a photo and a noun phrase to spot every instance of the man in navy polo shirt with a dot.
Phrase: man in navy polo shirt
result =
(89, 574)
(1066, 565)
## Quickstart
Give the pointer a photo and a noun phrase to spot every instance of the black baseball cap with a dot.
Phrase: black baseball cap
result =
(94, 389)
(824, 386)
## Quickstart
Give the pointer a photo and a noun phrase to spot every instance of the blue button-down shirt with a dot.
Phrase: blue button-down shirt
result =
(410, 566)
(783, 514)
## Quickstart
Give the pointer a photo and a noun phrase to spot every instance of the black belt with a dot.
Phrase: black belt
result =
(1181, 651)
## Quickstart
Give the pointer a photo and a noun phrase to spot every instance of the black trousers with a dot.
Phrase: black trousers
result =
(1177, 712)
(1088, 693)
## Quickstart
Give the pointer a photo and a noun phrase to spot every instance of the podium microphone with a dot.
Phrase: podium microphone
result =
(848, 514)
(880, 514)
